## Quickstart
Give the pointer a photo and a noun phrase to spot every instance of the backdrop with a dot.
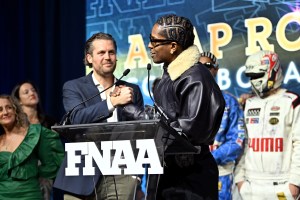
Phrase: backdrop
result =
(42, 41)
(231, 29)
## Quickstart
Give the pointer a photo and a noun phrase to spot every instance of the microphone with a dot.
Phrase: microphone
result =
(149, 68)
(125, 73)
(165, 122)
(66, 118)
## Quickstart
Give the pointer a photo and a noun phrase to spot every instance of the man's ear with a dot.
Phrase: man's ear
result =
(174, 48)
(89, 58)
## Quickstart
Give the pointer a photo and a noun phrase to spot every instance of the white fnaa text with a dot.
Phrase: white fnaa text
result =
(110, 164)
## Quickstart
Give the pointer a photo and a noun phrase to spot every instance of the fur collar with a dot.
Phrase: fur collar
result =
(183, 62)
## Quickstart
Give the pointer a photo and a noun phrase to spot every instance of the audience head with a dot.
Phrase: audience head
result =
(170, 35)
(27, 95)
(89, 47)
(11, 113)
(178, 29)
(209, 60)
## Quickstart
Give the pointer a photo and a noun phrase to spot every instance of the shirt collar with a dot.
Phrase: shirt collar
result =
(97, 84)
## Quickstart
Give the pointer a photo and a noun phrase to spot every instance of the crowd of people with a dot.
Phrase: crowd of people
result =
(249, 147)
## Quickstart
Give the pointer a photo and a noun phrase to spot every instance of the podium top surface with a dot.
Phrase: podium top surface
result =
(59, 128)
(139, 129)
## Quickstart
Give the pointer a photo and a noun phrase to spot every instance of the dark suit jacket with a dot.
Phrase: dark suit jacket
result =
(92, 111)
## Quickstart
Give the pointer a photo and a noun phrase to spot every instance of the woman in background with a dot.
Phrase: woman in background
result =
(27, 95)
(22, 145)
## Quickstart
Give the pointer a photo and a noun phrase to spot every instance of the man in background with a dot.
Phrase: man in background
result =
(270, 165)
(228, 144)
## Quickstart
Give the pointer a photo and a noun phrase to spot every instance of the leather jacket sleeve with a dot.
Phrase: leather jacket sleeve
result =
(194, 103)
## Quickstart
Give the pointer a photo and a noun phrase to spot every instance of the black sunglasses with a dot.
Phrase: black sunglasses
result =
(210, 65)
(154, 41)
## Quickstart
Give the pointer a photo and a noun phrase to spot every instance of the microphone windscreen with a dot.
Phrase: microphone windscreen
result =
(148, 66)
(126, 72)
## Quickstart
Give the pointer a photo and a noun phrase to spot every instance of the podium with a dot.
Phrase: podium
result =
(119, 135)
(133, 148)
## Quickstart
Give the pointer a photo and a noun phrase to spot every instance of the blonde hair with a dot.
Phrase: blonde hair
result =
(21, 117)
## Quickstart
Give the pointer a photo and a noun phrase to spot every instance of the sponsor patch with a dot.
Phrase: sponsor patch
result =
(270, 84)
(273, 120)
(281, 196)
(253, 112)
(219, 185)
(269, 144)
(275, 108)
(265, 62)
(239, 142)
(253, 120)
(274, 114)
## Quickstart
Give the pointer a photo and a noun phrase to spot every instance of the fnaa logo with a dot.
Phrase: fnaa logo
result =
(253, 112)
(253, 120)
(110, 163)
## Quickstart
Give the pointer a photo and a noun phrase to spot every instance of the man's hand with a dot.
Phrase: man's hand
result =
(239, 185)
(121, 95)
(116, 92)
(295, 191)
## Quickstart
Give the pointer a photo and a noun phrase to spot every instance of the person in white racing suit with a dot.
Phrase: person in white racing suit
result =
(270, 165)
(228, 143)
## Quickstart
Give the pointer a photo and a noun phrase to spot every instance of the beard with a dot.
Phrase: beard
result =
(104, 71)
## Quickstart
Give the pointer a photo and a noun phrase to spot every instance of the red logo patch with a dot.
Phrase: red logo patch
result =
(275, 108)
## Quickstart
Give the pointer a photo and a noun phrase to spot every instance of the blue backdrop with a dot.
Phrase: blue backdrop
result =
(231, 29)
(43, 40)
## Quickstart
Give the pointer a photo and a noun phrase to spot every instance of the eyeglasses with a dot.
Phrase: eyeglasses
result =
(154, 41)
(210, 65)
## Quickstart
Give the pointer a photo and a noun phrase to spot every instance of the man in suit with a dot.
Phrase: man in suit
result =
(100, 55)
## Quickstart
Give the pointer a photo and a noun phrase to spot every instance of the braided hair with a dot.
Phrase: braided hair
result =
(209, 55)
(177, 28)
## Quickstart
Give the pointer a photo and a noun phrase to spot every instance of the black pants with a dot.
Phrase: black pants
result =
(199, 181)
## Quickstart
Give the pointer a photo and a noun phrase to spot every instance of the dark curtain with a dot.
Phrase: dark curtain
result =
(42, 41)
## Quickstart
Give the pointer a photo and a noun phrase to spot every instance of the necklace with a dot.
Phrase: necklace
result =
(11, 141)
(7, 144)
(2, 144)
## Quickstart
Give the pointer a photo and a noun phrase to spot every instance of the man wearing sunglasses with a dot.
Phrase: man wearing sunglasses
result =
(228, 142)
(193, 105)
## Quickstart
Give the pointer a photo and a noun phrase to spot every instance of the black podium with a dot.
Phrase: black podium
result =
(136, 141)
(135, 148)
